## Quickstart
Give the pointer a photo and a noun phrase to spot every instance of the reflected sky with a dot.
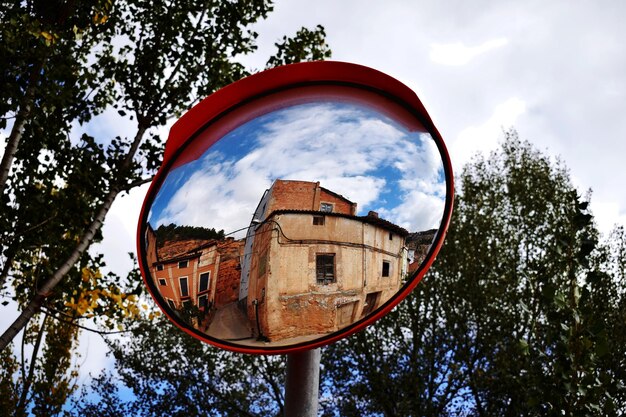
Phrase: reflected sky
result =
(350, 149)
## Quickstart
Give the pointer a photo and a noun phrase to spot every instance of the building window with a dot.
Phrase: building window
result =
(171, 304)
(184, 288)
(183, 264)
(326, 207)
(318, 220)
(160, 267)
(371, 300)
(325, 268)
(386, 268)
(390, 236)
(162, 282)
(187, 304)
(203, 301)
(204, 282)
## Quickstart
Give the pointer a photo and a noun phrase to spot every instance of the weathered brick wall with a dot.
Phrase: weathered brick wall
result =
(295, 195)
(229, 273)
(306, 315)
(340, 205)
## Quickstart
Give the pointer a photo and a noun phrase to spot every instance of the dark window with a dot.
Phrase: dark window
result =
(318, 220)
(171, 304)
(386, 266)
(183, 264)
(162, 281)
(390, 236)
(186, 303)
(184, 289)
(204, 282)
(159, 267)
(325, 268)
(370, 303)
(326, 207)
(203, 301)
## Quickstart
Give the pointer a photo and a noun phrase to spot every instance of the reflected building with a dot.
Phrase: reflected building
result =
(311, 266)
(195, 277)
(418, 244)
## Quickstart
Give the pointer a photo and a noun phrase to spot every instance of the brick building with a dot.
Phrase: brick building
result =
(195, 277)
(418, 245)
(311, 266)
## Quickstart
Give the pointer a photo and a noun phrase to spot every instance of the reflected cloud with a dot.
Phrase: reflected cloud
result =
(358, 153)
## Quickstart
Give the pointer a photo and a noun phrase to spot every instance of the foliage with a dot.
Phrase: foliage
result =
(307, 43)
(170, 373)
(522, 314)
(174, 233)
(67, 62)
(514, 317)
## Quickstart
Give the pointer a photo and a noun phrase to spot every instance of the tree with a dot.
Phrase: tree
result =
(150, 61)
(522, 314)
(174, 54)
(170, 373)
(515, 325)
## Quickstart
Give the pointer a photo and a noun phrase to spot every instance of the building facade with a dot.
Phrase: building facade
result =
(312, 266)
(195, 277)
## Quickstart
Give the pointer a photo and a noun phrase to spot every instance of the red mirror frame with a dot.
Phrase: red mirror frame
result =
(264, 85)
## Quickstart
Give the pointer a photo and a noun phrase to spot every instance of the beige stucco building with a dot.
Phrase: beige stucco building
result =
(312, 266)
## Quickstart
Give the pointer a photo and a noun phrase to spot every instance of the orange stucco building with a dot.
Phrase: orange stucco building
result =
(195, 277)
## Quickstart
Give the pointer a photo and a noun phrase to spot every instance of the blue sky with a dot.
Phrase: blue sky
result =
(351, 149)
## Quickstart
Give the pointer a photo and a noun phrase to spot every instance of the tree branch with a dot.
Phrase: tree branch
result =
(46, 289)
(46, 310)
(19, 409)
(136, 184)
(18, 127)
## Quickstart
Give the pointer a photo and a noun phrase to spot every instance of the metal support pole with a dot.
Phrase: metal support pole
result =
(302, 384)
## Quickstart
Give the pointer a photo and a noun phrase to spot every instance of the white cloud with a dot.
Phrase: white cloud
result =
(3, 140)
(418, 211)
(347, 150)
(484, 137)
(457, 54)
(607, 215)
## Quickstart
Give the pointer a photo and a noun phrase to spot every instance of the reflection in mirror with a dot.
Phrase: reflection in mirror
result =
(295, 224)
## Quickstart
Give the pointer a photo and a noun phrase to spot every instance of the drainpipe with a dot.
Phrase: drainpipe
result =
(255, 303)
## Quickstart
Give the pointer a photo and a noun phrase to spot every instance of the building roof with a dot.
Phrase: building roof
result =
(181, 250)
(175, 249)
(373, 220)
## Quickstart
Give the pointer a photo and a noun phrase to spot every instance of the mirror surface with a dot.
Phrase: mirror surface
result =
(295, 223)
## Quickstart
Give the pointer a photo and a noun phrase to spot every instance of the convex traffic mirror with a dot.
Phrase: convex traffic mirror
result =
(295, 207)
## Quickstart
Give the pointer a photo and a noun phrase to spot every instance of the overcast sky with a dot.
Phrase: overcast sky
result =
(556, 71)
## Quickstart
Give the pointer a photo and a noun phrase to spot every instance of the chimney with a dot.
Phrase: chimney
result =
(372, 214)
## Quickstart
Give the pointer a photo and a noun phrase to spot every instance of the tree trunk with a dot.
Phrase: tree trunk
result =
(23, 113)
(31, 370)
(48, 286)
